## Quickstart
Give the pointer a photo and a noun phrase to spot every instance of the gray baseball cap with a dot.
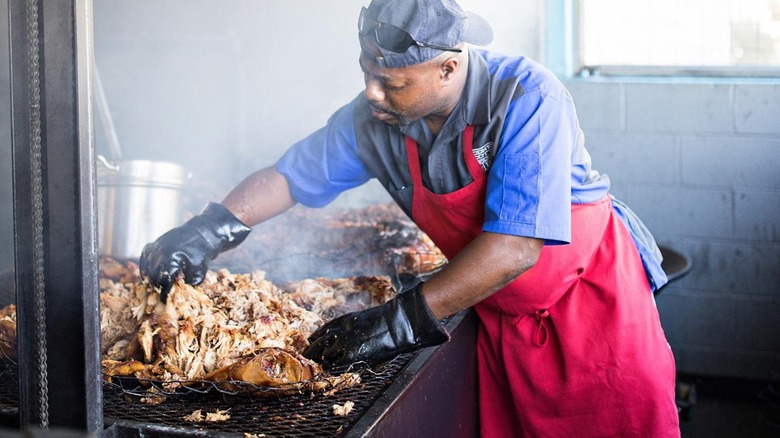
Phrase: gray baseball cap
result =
(409, 32)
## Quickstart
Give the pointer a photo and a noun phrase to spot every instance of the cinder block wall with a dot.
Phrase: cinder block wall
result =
(700, 163)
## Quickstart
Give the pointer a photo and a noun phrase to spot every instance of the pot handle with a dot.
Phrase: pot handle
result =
(109, 165)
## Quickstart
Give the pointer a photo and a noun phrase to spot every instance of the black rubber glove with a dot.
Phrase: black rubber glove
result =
(378, 334)
(186, 250)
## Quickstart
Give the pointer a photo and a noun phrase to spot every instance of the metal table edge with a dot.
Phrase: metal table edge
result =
(387, 400)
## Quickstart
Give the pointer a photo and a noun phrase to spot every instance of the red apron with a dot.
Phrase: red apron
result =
(574, 346)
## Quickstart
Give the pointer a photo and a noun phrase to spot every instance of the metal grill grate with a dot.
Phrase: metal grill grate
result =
(276, 416)
(9, 390)
(282, 416)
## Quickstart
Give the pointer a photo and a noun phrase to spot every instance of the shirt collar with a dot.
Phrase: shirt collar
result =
(476, 95)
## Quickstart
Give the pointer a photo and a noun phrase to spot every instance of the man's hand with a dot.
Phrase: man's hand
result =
(379, 334)
(186, 250)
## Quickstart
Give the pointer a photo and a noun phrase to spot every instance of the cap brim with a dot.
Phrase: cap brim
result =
(478, 30)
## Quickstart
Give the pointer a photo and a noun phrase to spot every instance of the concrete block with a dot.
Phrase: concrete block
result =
(679, 108)
(731, 161)
(672, 211)
(697, 320)
(734, 268)
(600, 106)
(635, 158)
(758, 324)
(723, 362)
(757, 108)
(757, 216)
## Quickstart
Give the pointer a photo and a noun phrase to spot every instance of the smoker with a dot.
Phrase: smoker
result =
(55, 382)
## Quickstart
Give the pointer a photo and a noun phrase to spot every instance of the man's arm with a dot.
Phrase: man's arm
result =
(187, 249)
(260, 196)
(487, 264)
(410, 321)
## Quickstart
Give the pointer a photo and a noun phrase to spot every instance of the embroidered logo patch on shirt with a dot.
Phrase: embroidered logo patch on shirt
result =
(483, 156)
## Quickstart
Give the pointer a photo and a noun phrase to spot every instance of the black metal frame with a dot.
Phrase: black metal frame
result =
(55, 215)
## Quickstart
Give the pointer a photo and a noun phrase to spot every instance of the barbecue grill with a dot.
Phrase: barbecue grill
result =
(410, 395)
(401, 398)
(55, 382)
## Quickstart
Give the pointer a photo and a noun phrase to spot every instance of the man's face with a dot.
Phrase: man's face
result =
(399, 96)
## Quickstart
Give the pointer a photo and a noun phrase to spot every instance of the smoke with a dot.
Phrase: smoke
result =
(223, 88)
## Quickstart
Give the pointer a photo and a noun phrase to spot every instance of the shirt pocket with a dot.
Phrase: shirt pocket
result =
(520, 187)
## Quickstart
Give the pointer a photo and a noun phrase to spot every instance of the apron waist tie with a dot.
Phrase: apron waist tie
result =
(540, 339)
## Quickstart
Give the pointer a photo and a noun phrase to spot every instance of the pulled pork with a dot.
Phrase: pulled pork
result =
(232, 327)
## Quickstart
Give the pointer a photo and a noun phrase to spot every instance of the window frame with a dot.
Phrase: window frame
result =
(564, 56)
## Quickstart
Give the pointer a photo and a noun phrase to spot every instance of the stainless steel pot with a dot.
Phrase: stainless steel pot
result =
(138, 201)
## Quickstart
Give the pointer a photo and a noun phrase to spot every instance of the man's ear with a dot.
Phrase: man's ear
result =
(448, 68)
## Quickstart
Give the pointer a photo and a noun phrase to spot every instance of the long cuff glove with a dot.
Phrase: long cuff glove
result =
(378, 334)
(187, 249)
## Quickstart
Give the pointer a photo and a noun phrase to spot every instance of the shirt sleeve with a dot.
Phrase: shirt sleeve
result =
(326, 163)
(529, 184)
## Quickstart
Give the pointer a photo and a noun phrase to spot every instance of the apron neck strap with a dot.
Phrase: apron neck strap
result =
(413, 157)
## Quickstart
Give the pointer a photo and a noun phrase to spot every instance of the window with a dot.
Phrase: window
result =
(665, 37)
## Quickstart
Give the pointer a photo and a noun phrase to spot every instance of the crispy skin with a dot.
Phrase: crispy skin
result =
(275, 372)
(116, 368)
(270, 367)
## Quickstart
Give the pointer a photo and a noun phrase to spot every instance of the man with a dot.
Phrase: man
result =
(484, 152)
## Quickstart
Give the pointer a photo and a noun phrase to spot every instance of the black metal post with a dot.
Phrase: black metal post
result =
(55, 225)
